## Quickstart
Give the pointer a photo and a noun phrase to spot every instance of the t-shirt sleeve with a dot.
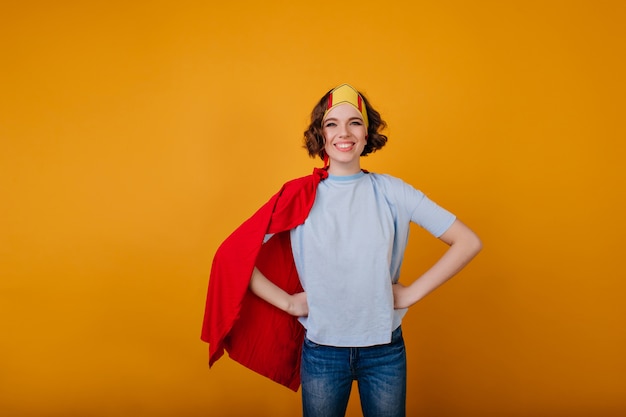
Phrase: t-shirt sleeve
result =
(426, 213)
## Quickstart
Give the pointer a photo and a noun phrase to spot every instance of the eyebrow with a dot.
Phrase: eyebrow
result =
(352, 118)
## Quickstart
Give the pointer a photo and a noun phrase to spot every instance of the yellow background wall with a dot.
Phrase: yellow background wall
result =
(136, 135)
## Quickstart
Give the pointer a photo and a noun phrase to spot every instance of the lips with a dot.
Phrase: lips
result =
(344, 146)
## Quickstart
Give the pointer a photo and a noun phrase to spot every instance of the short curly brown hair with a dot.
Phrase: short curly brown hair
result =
(314, 138)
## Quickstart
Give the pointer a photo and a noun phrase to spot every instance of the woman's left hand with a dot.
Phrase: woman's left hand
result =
(400, 296)
(464, 245)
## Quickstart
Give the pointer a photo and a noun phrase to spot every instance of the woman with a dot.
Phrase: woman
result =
(348, 254)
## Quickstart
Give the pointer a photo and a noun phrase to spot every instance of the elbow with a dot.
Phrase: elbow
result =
(463, 238)
(475, 244)
(470, 244)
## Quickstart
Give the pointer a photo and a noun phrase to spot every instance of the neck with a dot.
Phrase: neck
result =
(343, 170)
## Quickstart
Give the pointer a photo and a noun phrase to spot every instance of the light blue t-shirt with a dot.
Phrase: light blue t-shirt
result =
(349, 251)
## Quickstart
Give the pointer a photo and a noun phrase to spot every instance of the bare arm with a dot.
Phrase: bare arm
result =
(295, 304)
(464, 245)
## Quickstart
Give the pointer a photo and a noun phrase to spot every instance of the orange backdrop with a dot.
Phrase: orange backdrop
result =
(136, 135)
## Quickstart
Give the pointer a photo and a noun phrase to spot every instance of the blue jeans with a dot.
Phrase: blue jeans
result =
(380, 372)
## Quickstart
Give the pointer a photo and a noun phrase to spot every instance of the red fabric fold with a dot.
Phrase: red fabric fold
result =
(254, 333)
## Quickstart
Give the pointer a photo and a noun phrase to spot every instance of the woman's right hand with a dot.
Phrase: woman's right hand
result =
(294, 304)
(298, 305)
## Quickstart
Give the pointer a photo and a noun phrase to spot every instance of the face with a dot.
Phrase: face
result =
(344, 135)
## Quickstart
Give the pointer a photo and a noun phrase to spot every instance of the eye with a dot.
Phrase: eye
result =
(330, 124)
(357, 122)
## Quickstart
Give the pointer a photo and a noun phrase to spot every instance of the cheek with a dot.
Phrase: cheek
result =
(324, 136)
(324, 141)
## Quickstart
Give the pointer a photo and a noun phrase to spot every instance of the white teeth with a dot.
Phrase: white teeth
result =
(344, 145)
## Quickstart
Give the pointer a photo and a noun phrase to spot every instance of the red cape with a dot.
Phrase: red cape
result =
(253, 332)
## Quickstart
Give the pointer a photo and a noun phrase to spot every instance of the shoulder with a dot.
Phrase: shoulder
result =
(397, 191)
(389, 181)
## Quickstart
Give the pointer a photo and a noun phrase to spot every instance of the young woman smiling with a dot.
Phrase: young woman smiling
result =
(347, 249)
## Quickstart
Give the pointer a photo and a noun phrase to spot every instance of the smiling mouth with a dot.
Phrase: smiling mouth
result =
(344, 146)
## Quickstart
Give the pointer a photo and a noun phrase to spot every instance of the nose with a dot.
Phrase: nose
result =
(343, 132)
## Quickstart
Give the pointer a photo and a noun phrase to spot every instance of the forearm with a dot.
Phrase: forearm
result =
(464, 245)
(445, 268)
(271, 293)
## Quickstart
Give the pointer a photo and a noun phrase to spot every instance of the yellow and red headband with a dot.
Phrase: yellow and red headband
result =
(345, 93)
